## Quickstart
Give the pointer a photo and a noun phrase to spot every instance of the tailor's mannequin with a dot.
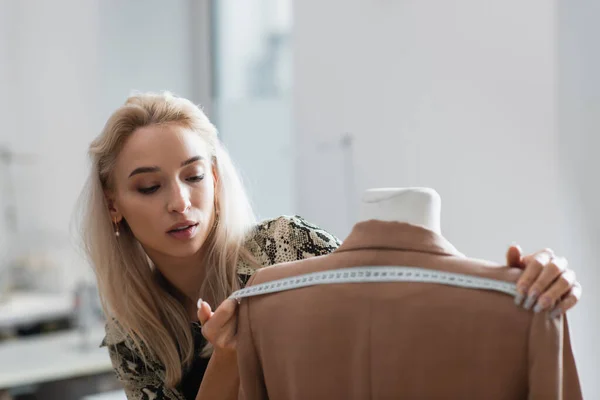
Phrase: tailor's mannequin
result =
(416, 206)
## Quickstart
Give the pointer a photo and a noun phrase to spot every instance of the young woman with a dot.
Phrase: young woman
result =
(167, 221)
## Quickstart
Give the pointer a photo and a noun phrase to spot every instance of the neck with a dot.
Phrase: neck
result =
(416, 206)
(185, 274)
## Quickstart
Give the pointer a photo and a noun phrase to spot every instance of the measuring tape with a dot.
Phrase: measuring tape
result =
(377, 274)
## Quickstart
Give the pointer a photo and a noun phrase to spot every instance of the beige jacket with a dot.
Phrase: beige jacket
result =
(399, 340)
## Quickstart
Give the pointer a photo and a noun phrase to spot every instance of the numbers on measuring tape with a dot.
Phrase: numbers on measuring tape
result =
(377, 274)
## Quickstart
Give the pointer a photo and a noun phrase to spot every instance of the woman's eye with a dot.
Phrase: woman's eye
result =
(197, 178)
(148, 190)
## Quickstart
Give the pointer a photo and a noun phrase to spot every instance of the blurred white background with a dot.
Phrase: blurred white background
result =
(496, 105)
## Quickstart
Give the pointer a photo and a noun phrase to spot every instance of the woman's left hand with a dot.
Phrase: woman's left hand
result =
(546, 283)
(221, 379)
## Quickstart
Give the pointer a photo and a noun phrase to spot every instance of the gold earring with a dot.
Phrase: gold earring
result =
(117, 233)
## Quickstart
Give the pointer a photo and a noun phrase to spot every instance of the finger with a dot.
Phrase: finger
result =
(570, 300)
(534, 264)
(204, 311)
(222, 315)
(556, 291)
(514, 257)
(551, 273)
(545, 252)
(227, 335)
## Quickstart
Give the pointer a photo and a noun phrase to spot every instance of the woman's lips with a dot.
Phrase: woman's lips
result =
(184, 234)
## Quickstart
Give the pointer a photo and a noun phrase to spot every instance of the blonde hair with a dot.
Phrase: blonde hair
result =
(146, 308)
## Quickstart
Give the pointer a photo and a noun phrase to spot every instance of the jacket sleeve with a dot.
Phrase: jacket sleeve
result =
(571, 385)
(552, 370)
(139, 381)
(252, 382)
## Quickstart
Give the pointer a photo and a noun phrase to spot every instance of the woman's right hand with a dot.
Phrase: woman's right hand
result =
(219, 327)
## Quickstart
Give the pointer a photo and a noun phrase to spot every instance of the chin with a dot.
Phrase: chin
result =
(183, 252)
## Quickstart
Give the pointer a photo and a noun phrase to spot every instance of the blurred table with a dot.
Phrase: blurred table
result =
(52, 357)
(114, 395)
(26, 308)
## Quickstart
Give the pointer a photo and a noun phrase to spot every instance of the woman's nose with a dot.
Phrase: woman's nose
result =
(179, 200)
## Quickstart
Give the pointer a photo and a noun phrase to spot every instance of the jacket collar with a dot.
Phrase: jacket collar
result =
(376, 234)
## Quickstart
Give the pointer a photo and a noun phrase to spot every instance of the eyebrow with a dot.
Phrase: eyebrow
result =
(142, 170)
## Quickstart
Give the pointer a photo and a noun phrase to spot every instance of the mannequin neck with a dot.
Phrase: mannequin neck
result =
(416, 206)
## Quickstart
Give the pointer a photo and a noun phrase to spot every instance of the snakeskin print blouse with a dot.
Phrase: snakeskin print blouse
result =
(273, 241)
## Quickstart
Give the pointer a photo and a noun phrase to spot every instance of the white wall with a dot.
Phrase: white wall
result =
(238, 31)
(460, 96)
(257, 133)
(8, 122)
(252, 103)
(144, 45)
(50, 66)
(579, 127)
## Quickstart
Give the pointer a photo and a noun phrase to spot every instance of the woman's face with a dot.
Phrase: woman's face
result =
(164, 187)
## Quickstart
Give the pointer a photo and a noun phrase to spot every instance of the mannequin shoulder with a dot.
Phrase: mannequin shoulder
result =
(289, 238)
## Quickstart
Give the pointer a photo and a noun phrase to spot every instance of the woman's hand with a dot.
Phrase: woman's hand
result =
(219, 327)
(221, 379)
(546, 283)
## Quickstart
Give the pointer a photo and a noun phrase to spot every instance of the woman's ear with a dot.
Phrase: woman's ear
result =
(115, 214)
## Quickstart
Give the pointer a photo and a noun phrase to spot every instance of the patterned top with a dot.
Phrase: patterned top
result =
(272, 242)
